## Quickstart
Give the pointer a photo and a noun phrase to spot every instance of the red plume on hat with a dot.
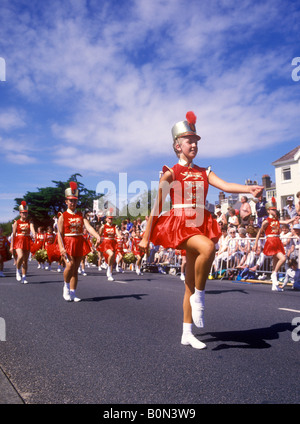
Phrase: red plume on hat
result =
(23, 206)
(271, 204)
(73, 186)
(110, 213)
(72, 192)
(192, 119)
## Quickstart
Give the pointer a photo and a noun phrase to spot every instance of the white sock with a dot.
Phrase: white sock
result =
(187, 328)
(199, 296)
(67, 285)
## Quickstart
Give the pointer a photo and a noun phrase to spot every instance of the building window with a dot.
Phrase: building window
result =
(286, 173)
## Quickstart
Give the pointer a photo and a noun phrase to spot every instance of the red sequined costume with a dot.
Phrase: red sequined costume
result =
(188, 217)
(22, 240)
(135, 246)
(273, 243)
(39, 243)
(74, 242)
(109, 238)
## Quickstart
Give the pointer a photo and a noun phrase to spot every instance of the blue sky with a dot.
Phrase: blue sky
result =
(94, 87)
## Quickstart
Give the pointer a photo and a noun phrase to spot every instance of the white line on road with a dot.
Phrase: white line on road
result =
(289, 310)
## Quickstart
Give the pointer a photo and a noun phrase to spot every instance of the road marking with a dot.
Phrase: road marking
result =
(120, 282)
(289, 310)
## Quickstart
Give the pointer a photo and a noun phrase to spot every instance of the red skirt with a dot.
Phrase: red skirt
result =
(108, 244)
(53, 252)
(76, 246)
(23, 242)
(273, 246)
(171, 230)
(37, 245)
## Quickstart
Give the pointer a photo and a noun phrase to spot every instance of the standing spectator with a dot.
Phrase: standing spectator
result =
(298, 203)
(245, 211)
(144, 224)
(290, 208)
(233, 220)
(129, 225)
(261, 211)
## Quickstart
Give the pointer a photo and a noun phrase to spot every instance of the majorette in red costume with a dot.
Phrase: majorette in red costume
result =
(22, 239)
(188, 216)
(136, 239)
(75, 244)
(53, 251)
(39, 242)
(109, 232)
(273, 243)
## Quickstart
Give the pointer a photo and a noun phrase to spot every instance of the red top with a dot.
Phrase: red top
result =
(73, 223)
(109, 231)
(273, 227)
(49, 238)
(23, 228)
(192, 185)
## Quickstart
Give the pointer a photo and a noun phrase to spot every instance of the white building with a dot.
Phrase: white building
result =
(287, 176)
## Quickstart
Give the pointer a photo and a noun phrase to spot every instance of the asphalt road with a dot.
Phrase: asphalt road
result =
(121, 343)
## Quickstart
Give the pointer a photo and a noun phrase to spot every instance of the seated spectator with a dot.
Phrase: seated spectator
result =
(221, 253)
(243, 247)
(294, 252)
(232, 247)
(220, 217)
(290, 273)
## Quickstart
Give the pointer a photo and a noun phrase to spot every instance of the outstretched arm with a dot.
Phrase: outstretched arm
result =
(217, 182)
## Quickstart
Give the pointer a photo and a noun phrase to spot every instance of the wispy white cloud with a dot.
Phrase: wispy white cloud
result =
(122, 76)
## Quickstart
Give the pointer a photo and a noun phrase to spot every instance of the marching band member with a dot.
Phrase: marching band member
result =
(109, 232)
(22, 228)
(189, 225)
(273, 246)
(73, 246)
(136, 250)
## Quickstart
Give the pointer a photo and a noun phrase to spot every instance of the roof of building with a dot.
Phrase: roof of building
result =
(287, 156)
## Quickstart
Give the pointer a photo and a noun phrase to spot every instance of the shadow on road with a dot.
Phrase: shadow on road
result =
(247, 339)
(100, 298)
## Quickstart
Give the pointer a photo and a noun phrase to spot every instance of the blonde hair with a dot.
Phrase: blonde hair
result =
(176, 141)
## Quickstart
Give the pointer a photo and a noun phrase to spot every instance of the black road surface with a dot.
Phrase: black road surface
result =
(121, 343)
